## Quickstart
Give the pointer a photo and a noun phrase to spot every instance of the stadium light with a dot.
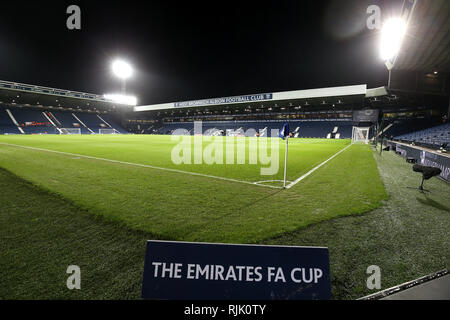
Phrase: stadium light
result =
(122, 69)
(392, 35)
(121, 99)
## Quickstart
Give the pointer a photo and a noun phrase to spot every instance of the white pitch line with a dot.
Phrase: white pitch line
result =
(262, 183)
(140, 165)
(315, 168)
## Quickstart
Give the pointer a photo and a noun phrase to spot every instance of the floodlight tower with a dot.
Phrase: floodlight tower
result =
(392, 34)
(123, 71)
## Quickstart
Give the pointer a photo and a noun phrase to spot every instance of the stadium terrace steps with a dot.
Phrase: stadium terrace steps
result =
(82, 123)
(52, 120)
(67, 120)
(32, 121)
(7, 126)
(92, 121)
(108, 120)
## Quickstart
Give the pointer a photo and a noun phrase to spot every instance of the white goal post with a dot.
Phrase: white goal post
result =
(69, 130)
(360, 134)
(108, 131)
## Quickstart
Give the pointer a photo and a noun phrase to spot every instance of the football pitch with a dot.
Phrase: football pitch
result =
(134, 180)
(93, 201)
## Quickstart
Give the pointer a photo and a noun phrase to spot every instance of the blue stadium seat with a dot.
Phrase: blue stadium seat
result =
(435, 136)
(307, 129)
(113, 123)
(91, 121)
(32, 121)
(6, 124)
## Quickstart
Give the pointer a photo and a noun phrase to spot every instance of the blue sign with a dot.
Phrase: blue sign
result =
(226, 100)
(191, 271)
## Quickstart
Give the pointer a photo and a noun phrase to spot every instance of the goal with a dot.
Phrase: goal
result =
(69, 130)
(107, 131)
(360, 134)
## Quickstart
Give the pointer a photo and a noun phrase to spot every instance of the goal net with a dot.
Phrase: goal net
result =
(107, 131)
(69, 130)
(360, 135)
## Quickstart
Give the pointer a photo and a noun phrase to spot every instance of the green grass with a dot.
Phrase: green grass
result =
(304, 154)
(98, 215)
(185, 207)
(42, 234)
(407, 237)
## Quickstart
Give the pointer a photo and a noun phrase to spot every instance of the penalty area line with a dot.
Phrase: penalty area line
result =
(140, 165)
(317, 167)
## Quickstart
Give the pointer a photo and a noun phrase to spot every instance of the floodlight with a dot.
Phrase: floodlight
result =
(122, 69)
(392, 35)
(121, 99)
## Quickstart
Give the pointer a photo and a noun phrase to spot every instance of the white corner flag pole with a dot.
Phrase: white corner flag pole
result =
(285, 162)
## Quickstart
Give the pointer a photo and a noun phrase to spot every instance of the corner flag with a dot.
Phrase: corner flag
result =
(284, 134)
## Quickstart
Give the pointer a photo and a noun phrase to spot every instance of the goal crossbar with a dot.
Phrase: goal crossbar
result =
(108, 131)
(360, 134)
(69, 130)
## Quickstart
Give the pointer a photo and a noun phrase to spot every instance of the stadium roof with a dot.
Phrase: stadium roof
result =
(426, 45)
(36, 96)
(333, 95)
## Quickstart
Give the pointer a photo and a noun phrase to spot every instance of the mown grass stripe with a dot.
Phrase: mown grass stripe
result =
(315, 168)
(140, 165)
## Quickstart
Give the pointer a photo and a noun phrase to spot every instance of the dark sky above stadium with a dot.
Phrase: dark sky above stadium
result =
(192, 50)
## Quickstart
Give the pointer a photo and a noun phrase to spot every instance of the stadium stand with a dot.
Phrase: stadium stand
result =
(67, 120)
(7, 126)
(32, 121)
(111, 123)
(305, 129)
(404, 126)
(91, 121)
(435, 136)
(148, 129)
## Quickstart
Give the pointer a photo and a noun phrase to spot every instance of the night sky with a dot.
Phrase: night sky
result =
(192, 50)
